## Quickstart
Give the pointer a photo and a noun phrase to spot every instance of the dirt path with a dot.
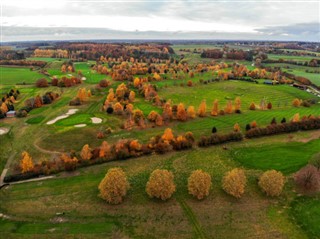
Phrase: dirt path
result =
(314, 135)
(192, 219)
(35, 144)
(6, 167)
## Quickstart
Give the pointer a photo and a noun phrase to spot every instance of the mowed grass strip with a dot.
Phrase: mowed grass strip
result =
(35, 120)
(284, 157)
(75, 119)
(280, 96)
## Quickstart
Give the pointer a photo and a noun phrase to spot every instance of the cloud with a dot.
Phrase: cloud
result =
(253, 19)
(66, 33)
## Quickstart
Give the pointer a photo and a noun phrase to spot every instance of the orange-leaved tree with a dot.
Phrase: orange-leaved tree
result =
(202, 109)
(181, 113)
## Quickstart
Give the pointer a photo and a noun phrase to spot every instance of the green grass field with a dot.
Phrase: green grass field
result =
(306, 211)
(285, 157)
(294, 58)
(18, 75)
(280, 96)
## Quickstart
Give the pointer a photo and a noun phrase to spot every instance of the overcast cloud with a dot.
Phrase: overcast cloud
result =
(98, 19)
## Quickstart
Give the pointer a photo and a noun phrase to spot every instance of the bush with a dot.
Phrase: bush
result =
(161, 184)
(271, 182)
(41, 83)
(308, 178)
(219, 139)
(214, 130)
(109, 110)
(234, 182)
(75, 102)
(114, 186)
(104, 83)
(21, 113)
(199, 184)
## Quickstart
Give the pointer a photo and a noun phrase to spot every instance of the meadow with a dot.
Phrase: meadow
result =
(67, 206)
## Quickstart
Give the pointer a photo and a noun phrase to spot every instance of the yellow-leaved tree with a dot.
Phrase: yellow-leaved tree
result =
(114, 186)
(86, 152)
(161, 184)
(26, 162)
(199, 184)
(271, 182)
(234, 182)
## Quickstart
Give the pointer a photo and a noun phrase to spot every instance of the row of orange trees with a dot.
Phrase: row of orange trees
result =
(114, 186)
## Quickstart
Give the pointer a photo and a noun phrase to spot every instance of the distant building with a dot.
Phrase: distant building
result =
(11, 114)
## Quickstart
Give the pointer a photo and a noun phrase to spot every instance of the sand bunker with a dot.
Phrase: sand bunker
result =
(80, 125)
(66, 115)
(96, 120)
(4, 131)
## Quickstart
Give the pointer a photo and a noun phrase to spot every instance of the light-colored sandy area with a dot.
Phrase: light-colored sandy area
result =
(66, 115)
(80, 125)
(96, 120)
(4, 131)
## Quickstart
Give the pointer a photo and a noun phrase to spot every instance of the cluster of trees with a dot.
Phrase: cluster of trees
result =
(53, 53)
(65, 81)
(67, 67)
(82, 95)
(230, 54)
(306, 123)
(262, 106)
(37, 102)
(117, 52)
(29, 63)
(114, 186)
(7, 101)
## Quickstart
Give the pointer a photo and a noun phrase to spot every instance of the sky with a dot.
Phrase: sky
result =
(23, 20)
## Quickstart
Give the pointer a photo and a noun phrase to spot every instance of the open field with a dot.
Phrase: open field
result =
(18, 75)
(280, 96)
(181, 216)
(294, 58)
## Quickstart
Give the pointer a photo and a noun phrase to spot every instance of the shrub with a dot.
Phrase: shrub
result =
(104, 83)
(189, 83)
(252, 106)
(75, 102)
(271, 182)
(308, 178)
(114, 186)
(234, 182)
(296, 102)
(41, 83)
(110, 110)
(214, 130)
(161, 184)
(199, 184)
